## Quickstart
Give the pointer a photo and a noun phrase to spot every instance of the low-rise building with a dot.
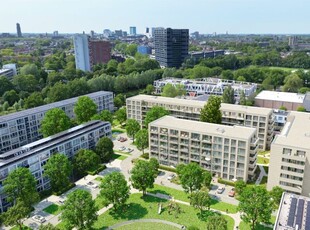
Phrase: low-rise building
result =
(260, 118)
(21, 128)
(289, 165)
(230, 152)
(35, 155)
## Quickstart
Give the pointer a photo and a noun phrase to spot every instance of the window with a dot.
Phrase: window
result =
(287, 151)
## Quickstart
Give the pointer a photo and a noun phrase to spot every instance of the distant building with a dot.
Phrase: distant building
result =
(107, 33)
(118, 33)
(18, 30)
(92, 34)
(90, 52)
(206, 54)
(171, 46)
(147, 30)
(132, 30)
(124, 34)
(275, 100)
(8, 71)
(144, 50)
(55, 33)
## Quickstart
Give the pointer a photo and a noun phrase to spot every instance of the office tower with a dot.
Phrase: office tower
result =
(92, 34)
(230, 152)
(35, 155)
(107, 33)
(21, 128)
(19, 31)
(132, 30)
(147, 30)
(261, 119)
(118, 33)
(171, 46)
(90, 52)
(55, 33)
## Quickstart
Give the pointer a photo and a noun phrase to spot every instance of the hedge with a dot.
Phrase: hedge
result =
(98, 170)
(227, 182)
(70, 186)
(167, 168)
(145, 156)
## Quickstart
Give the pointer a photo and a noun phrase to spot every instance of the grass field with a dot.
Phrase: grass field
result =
(181, 195)
(262, 160)
(244, 226)
(148, 226)
(119, 157)
(52, 209)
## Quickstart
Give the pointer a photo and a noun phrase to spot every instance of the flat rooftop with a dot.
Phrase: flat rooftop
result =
(296, 131)
(293, 213)
(200, 104)
(236, 132)
(46, 107)
(281, 96)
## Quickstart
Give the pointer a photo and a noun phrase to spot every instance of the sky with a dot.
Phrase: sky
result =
(205, 16)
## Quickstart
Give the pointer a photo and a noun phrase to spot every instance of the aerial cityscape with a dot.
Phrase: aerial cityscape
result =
(122, 115)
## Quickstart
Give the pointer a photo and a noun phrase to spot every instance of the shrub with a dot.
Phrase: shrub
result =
(70, 186)
(227, 182)
(167, 168)
(97, 170)
(145, 156)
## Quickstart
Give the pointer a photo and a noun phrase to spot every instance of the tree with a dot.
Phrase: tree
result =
(240, 185)
(85, 160)
(119, 100)
(114, 190)
(142, 139)
(174, 207)
(301, 109)
(104, 149)
(283, 108)
(242, 99)
(16, 214)
(34, 100)
(255, 205)
(11, 97)
(207, 178)
(5, 85)
(48, 226)
(154, 165)
(132, 127)
(191, 177)
(200, 200)
(84, 109)
(170, 90)
(216, 223)
(155, 113)
(228, 95)
(16, 106)
(211, 112)
(149, 89)
(20, 185)
(29, 69)
(6, 106)
(121, 115)
(26, 83)
(143, 176)
(106, 115)
(79, 210)
(276, 195)
(292, 83)
(54, 121)
(58, 169)
(131, 49)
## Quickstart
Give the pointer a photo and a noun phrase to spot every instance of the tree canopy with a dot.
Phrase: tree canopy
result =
(155, 113)
(85, 160)
(104, 149)
(191, 176)
(84, 109)
(228, 95)
(211, 112)
(132, 127)
(142, 139)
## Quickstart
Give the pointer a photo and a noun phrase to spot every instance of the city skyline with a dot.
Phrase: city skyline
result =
(236, 17)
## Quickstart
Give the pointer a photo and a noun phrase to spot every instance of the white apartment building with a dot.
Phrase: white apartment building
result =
(22, 127)
(35, 155)
(260, 118)
(230, 152)
(81, 51)
(289, 165)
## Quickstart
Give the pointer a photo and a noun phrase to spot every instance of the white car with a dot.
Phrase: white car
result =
(39, 218)
(171, 176)
(122, 148)
(94, 186)
(220, 190)
(128, 150)
(61, 201)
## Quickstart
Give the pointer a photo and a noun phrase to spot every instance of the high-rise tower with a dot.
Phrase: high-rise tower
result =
(18, 30)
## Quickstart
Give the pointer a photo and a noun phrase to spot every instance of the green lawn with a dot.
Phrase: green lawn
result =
(147, 207)
(181, 195)
(52, 209)
(148, 226)
(119, 157)
(118, 130)
(266, 168)
(99, 178)
(244, 226)
(264, 181)
(262, 160)
(262, 153)
(24, 228)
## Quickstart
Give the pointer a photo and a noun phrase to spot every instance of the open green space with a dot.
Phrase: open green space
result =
(118, 130)
(262, 153)
(181, 195)
(24, 228)
(264, 181)
(262, 160)
(52, 209)
(121, 152)
(245, 226)
(266, 168)
(148, 226)
(118, 157)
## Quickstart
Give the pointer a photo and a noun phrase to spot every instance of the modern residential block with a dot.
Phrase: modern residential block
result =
(289, 165)
(230, 152)
(260, 118)
(22, 127)
(35, 155)
(171, 46)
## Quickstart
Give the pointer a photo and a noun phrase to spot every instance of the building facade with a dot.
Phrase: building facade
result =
(132, 30)
(20, 128)
(261, 119)
(99, 52)
(171, 46)
(35, 155)
(289, 165)
(230, 152)
(18, 30)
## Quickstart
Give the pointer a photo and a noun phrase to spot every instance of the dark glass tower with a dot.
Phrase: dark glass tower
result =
(19, 32)
(171, 46)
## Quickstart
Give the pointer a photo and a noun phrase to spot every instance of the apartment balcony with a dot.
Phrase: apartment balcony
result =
(154, 131)
(173, 140)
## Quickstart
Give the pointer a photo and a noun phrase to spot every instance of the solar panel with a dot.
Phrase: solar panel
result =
(300, 211)
(291, 215)
(307, 224)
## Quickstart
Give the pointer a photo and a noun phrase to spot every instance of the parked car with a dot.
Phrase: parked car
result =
(89, 183)
(171, 176)
(128, 150)
(94, 186)
(61, 201)
(220, 190)
(232, 192)
(122, 148)
(123, 139)
(39, 218)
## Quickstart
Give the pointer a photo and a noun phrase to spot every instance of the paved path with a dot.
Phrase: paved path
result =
(261, 175)
(146, 221)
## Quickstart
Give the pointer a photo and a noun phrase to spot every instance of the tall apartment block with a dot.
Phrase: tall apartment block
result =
(18, 30)
(35, 155)
(289, 165)
(228, 151)
(90, 52)
(171, 46)
(260, 118)
(132, 30)
(21, 128)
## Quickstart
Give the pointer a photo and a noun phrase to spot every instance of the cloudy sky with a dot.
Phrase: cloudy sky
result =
(205, 16)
